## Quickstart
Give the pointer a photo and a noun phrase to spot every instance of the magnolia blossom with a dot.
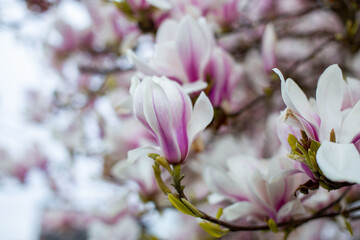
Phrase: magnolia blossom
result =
(197, 59)
(223, 74)
(186, 44)
(138, 168)
(258, 189)
(163, 107)
(336, 113)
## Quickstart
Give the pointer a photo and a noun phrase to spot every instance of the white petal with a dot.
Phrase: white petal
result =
(165, 58)
(202, 115)
(135, 82)
(292, 209)
(299, 100)
(339, 162)
(166, 30)
(141, 65)
(137, 153)
(295, 99)
(237, 210)
(219, 182)
(125, 106)
(161, 4)
(215, 198)
(158, 115)
(329, 97)
(193, 47)
(350, 127)
(194, 87)
(268, 47)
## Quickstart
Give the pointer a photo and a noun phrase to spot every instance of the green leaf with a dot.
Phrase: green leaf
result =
(314, 145)
(192, 208)
(292, 140)
(159, 181)
(213, 229)
(219, 213)
(272, 225)
(348, 227)
(180, 205)
(163, 162)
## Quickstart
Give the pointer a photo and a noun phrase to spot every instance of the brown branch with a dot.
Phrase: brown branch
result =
(311, 55)
(280, 16)
(313, 34)
(324, 209)
(249, 106)
(293, 223)
(101, 71)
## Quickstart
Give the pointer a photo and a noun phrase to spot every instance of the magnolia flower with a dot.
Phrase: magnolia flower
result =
(258, 189)
(224, 74)
(332, 120)
(192, 50)
(163, 107)
(138, 168)
(186, 44)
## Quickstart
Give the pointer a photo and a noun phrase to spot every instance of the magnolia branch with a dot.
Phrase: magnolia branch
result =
(290, 224)
(278, 17)
(101, 71)
(290, 71)
(310, 56)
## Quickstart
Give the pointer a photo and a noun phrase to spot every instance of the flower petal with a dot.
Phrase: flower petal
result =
(193, 47)
(219, 182)
(329, 97)
(202, 115)
(140, 65)
(350, 126)
(237, 210)
(161, 4)
(339, 162)
(268, 47)
(296, 100)
(158, 115)
(194, 86)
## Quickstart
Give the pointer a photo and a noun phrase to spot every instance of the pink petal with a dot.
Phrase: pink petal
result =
(202, 115)
(193, 47)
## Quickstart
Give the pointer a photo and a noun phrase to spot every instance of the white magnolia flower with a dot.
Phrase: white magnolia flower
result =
(336, 113)
(258, 189)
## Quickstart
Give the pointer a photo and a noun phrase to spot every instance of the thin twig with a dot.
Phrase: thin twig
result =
(313, 53)
(248, 106)
(324, 209)
(277, 17)
(101, 71)
(292, 223)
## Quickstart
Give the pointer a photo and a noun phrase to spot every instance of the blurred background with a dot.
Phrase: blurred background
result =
(65, 119)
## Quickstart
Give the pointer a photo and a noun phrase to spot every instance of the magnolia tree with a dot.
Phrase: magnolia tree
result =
(229, 119)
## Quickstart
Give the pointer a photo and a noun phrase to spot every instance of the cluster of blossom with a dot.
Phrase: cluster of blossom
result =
(150, 88)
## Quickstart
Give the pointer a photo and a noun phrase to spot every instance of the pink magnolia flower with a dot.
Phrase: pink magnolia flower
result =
(192, 50)
(166, 110)
(224, 74)
(335, 112)
(256, 188)
(186, 44)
